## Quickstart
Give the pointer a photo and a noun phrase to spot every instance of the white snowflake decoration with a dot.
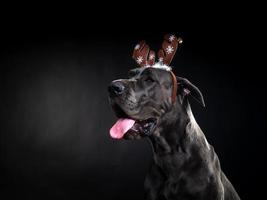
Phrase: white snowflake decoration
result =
(160, 59)
(137, 46)
(171, 38)
(151, 57)
(139, 59)
(169, 49)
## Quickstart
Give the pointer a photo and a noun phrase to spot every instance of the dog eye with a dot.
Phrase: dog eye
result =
(149, 80)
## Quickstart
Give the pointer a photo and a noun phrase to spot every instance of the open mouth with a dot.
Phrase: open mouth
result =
(129, 128)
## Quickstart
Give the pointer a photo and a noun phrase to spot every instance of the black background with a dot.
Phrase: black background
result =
(55, 116)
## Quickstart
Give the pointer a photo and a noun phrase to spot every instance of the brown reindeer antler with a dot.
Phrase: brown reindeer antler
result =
(169, 47)
(142, 55)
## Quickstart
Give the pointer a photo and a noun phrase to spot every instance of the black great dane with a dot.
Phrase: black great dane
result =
(153, 103)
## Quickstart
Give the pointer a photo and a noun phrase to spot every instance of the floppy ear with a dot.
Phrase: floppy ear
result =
(186, 88)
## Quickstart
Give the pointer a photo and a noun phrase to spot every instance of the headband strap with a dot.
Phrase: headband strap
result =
(174, 87)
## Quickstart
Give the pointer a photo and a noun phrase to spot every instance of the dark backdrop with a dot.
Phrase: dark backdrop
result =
(55, 116)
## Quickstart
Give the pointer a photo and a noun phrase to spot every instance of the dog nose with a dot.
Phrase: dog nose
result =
(116, 88)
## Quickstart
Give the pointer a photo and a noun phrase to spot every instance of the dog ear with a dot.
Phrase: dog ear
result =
(187, 88)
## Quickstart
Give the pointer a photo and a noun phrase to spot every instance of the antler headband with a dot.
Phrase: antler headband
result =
(146, 57)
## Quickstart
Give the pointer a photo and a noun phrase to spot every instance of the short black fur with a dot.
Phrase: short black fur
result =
(185, 166)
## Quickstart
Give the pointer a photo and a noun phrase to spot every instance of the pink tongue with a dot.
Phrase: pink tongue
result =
(121, 127)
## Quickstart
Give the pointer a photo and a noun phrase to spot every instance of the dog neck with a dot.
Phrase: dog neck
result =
(177, 137)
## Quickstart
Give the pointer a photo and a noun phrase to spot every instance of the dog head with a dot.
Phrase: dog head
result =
(149, 92)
